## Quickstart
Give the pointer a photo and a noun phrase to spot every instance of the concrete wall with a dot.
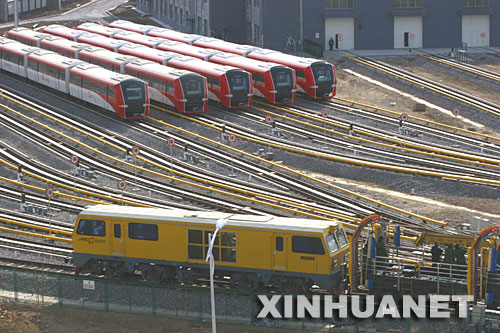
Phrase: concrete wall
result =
(442, 26)
(281, 28)
(495, 23)
(227, 17)
(279, 21)
(374, 21)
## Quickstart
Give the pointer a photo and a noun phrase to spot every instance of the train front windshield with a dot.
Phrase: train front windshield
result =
(323, 75)
(239, 86)
(284, 83)
(193, 87)
(134, 95)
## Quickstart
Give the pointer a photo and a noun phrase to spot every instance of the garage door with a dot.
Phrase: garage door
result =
(476, 30)
(407, 32)
(342, 32)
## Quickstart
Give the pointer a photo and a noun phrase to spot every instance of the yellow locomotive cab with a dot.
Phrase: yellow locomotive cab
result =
(292, 254)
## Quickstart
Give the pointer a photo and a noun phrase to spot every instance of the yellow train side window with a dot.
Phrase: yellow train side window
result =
(224, 246)
(308, 245)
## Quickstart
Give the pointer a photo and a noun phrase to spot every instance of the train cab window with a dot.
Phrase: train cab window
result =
(309, 245)
(91, 228)
(279, 244)
(341, 237)
(283, 79)
(117, 230)
(143, 231)
(332, 243)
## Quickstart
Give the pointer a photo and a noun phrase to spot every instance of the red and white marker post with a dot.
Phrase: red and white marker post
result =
(325, 115)
(269, 121)
(122, 185)
(232, 138)
(49, 193)
(171, 144)
(74, 160)
(135, 151)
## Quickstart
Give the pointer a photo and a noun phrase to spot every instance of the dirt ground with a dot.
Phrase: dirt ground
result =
(24, 318)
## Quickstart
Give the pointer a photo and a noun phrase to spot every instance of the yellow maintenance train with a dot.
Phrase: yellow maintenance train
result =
(251, 251)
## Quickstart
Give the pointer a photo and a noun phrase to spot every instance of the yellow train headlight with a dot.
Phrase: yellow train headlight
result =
(334, 263)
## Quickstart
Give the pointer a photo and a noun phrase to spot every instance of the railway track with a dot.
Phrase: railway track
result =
(114, 167)
(461, 66)
(401, 215)
(436, 87)
(373, 138)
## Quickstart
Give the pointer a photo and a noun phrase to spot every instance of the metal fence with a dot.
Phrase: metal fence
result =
(179, 302)
(170, 301)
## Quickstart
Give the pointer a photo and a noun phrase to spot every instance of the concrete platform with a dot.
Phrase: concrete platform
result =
(404, 52)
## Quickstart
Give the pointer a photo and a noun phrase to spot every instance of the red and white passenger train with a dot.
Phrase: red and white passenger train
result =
(274, 82)
(317, 78)
(229, 85)
(124, 95)
(185, 90)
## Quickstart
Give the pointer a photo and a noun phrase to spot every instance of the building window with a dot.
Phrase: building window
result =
(181, 16)
(407, 3)
(475, 3)
(224, 246)
(339, 4)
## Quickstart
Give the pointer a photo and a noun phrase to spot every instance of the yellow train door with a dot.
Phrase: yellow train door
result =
(118, 243)
(279, 252)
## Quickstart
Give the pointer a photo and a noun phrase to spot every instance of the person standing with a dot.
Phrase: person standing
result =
(449, 258)
(380, 251)
(436, 255)
(330, 42)
(460, 253)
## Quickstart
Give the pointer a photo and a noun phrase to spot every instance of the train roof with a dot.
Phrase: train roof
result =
(67, 45)
(266, 55)
(142, 51)
(208, 217)
(181, 48)
(58, 61)
(140, 27)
